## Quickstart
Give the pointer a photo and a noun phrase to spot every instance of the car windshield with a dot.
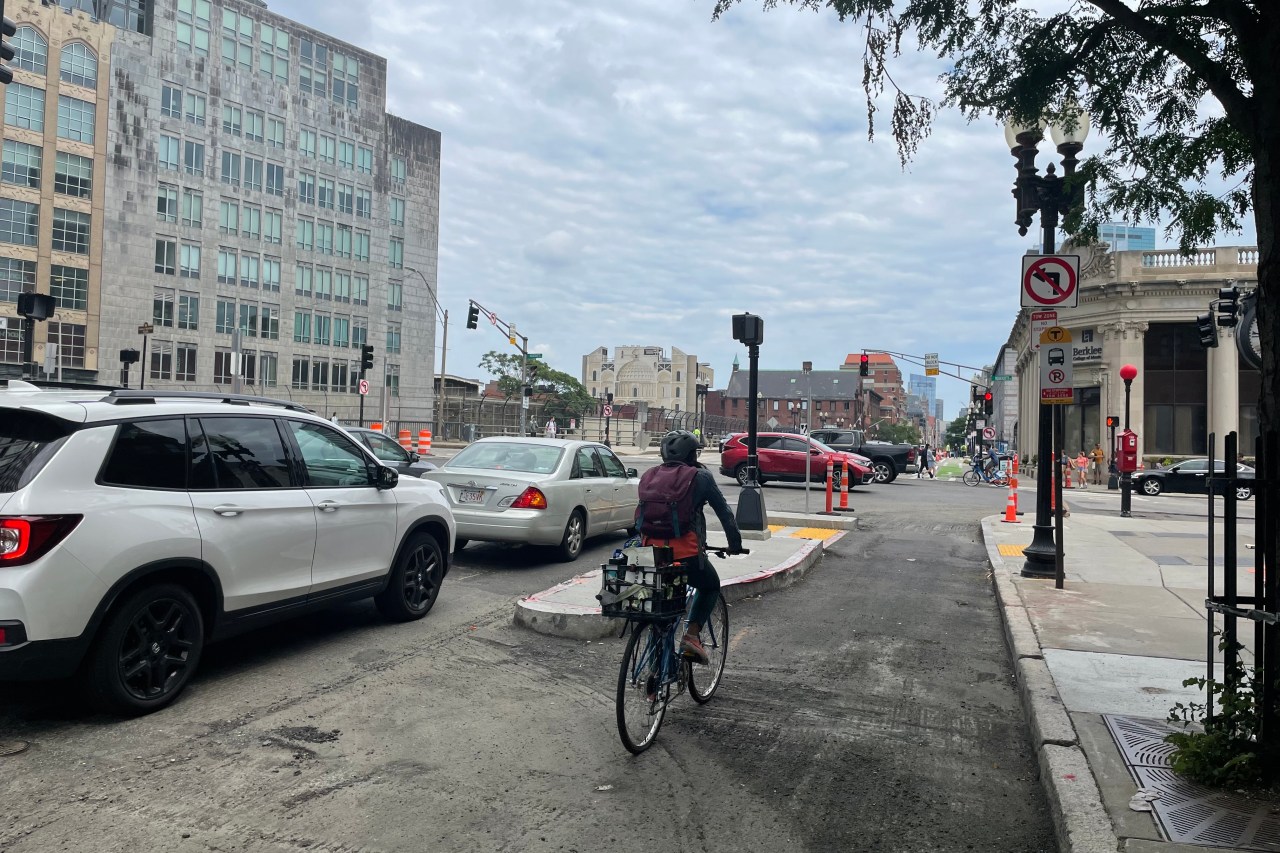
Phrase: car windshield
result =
(23, 437)
(508, 456)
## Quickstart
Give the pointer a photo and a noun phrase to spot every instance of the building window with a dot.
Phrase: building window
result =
(249, 271)
(225, 323)
(360, 290)
(248, 320)
(70, 338)
(306, 234)
(275, 179)
(231, 168)
(364, 162)
(324, 283)
(189, 260)
(303, 282)
(271, 322)
(75, 119)
(166, 256)
(313, 67)
(319, 374)
(302, 327)
(69, 287)
(237, 40)
(193, 157)
(359, 332)
(170, 101)
(364, 204)
(340, 371)
(30, 50)
(341, 286)
(24, 106)
(271, 268)
(222, 366)
(162, 307)
(398, 170)
(273, 54)
(393, 380)
(70, 231)
(328, 149)
(189, 311)
(232, 119)
(251, 222)
(22, 164)
(194, 108)
(323, 324)
(397, 211)
(273, 227)
(253, 174)
(167, 203)
(346, 198)
(19, 221)
(228, 217)
(73, 175)
(395, 296)
(79, 65)
(268, 365)
(341, 331)
(343, 247)
(253, 126)
(324, 238)
(393, 338)
(193, 26)
(275, 133)
(307, 143)
(395, 253)
(347, 154)
(185, 363)
(306, 188)
(168, 152)
(16, 277)
(346, 80)
(193, 208)
(324, 193)
(228, 264)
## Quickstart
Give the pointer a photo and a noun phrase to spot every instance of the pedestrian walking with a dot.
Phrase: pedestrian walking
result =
(1097, 456)
(551, 428)
(1082, 468)
(930, 461)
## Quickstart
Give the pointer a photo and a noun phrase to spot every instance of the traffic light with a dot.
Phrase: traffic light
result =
(608, 398)
(1207, 330)
(473, 316)
(7, 30)
(864, 365)
(1228, 307)
(988, 402)
(366, 358)
(1113, 422)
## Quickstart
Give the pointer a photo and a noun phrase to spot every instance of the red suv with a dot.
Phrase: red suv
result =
(783, 456)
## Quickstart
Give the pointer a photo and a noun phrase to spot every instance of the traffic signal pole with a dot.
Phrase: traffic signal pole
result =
(517, 340)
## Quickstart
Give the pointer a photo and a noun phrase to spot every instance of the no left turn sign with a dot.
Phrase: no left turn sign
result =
(989, 433)
(608, 410)
(1050, 281)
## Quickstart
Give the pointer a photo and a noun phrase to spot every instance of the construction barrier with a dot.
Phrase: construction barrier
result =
(424, 442)
(376, 426)
(406, 439)
(1011, 508)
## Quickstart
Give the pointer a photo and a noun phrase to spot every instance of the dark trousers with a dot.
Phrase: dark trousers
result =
(703, 578)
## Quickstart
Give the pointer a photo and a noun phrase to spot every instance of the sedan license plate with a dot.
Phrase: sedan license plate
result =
(471, 496)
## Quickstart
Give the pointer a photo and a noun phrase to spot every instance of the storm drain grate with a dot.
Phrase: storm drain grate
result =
(12, 747)
(1187, 812)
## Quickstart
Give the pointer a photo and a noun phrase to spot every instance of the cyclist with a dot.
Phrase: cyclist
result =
(680, 453)
(992, 466)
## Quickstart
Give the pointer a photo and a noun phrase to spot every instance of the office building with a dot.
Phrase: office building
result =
(1127, 238)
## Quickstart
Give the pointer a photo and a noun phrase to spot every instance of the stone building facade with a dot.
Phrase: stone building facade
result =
(262, 212)
(1139, 308)
(644, 374)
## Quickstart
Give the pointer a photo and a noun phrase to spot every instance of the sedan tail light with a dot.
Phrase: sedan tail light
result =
(530, 498)
(26, 538)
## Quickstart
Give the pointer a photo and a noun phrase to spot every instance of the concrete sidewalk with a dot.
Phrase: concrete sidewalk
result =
(1104, 658)
(570, 609)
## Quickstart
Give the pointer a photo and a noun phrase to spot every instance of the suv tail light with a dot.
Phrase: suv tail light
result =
(26, 538)
(530, 498)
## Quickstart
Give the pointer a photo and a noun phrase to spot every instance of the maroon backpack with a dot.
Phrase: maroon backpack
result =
(666, 501)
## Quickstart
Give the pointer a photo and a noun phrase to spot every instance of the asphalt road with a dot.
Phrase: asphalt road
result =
(869, 707)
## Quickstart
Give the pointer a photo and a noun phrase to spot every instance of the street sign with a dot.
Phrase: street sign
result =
(1057, 383)
(1041, 320)
(988, 433)
(534, 355)
(931, 364)
(364, 386)
(1050, 281)
(608, 410)
(773, 423)
(1002, 377)
(146, 329)
(980, 423)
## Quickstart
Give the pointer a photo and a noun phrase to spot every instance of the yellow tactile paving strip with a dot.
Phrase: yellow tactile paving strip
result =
(821, 533)
(1010, 550)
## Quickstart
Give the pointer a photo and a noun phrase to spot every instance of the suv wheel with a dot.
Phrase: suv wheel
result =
(884, 471)
(147, 650)
(415, 581)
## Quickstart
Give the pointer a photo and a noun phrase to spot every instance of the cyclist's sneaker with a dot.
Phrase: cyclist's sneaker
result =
(691, 647)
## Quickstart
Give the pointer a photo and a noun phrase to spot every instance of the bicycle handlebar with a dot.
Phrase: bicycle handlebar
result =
(723, 552)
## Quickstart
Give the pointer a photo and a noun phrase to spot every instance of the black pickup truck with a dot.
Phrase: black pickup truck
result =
(887, 460)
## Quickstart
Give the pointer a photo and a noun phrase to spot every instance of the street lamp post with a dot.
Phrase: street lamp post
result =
(1128, 373)
(144, 330)
(443, 314)
(749, 329)
(1052, 196)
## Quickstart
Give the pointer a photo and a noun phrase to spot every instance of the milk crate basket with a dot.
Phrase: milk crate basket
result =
(643, 593)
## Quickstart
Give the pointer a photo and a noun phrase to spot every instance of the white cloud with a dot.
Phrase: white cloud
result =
(635, 173)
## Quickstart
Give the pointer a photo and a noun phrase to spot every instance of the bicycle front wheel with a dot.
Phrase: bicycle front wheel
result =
(641, 696)
(703, 680)
(971, 477)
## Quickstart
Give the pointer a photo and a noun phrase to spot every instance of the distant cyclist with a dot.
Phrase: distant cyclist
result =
(672, 497)
(992, 465)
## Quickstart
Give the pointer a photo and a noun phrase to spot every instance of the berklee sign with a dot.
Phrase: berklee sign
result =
(1050, 281)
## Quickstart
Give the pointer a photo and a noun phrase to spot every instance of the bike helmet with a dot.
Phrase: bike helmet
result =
(679, 445)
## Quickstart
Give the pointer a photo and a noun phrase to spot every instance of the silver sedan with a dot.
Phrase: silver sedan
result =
(539, 491)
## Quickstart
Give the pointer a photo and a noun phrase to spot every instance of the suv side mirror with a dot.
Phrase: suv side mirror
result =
(413, 457)
(632, 473)
(386, 478)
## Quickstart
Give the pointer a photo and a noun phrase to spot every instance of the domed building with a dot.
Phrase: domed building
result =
(640, 374)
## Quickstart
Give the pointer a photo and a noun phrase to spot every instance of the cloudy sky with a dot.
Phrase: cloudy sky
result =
(632, 173)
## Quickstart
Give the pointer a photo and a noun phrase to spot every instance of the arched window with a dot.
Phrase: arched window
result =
(30, 50)
(79, 65)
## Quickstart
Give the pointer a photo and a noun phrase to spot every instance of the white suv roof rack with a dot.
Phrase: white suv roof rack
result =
(138, 397)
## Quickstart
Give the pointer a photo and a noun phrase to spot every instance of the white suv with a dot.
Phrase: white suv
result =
(135, 526)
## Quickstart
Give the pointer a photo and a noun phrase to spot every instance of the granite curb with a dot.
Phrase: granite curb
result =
(1080, 820)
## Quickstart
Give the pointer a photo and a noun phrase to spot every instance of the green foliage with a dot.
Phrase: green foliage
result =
(562, 395)
(898, 433)
(1144, 75)
(1225, 752)
(956, 433)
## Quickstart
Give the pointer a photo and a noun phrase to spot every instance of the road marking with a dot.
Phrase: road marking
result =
(822, 533)
(1010, 550)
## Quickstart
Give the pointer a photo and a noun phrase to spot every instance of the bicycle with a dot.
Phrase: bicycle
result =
(655, 602)
(977, 474)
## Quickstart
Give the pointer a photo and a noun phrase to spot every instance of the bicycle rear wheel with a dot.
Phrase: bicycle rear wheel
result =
(971, 477)
(703, 680)
(641, 696)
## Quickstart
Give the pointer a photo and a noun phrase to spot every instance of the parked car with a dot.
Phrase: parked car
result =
(538, 491)
(389, 452)
(137, 526)
(1191, 476)
(889, 460)
(782, 457)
